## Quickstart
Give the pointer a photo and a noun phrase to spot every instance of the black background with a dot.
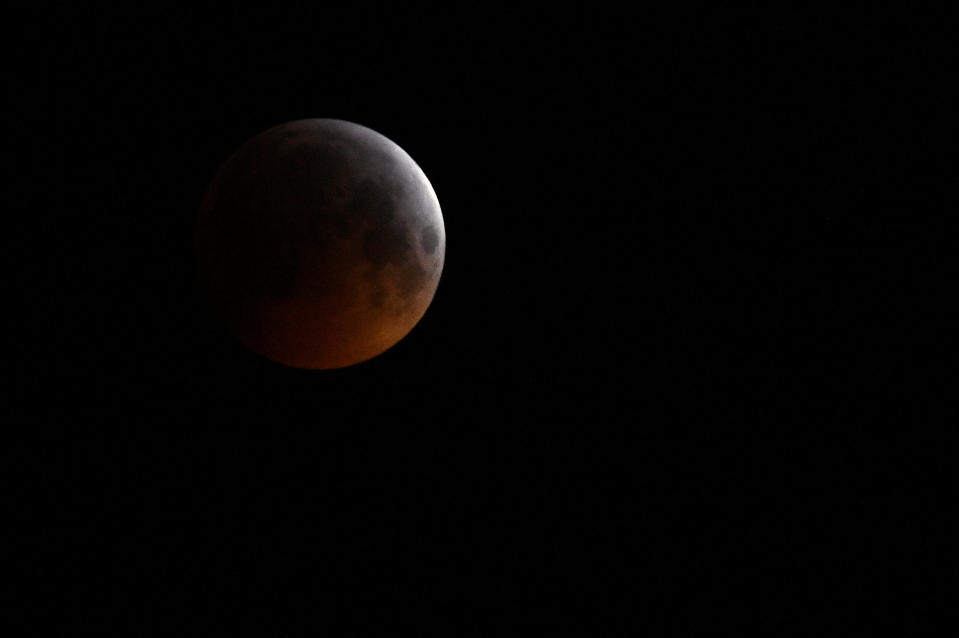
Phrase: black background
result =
(680, 371)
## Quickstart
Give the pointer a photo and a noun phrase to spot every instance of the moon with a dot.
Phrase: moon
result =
(319, 244)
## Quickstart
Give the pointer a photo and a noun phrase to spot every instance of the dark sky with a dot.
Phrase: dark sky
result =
(680, 369)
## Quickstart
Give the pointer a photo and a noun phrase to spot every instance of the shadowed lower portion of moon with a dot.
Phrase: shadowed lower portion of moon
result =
(320, 244)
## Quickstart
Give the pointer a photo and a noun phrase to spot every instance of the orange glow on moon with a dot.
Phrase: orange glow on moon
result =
(320, 244)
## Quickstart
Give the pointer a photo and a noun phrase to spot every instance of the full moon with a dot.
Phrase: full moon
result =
(320, 244)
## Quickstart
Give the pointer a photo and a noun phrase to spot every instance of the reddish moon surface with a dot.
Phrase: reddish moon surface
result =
(320, 244)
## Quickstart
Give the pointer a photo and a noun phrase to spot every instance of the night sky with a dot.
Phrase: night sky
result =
(681, 370)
